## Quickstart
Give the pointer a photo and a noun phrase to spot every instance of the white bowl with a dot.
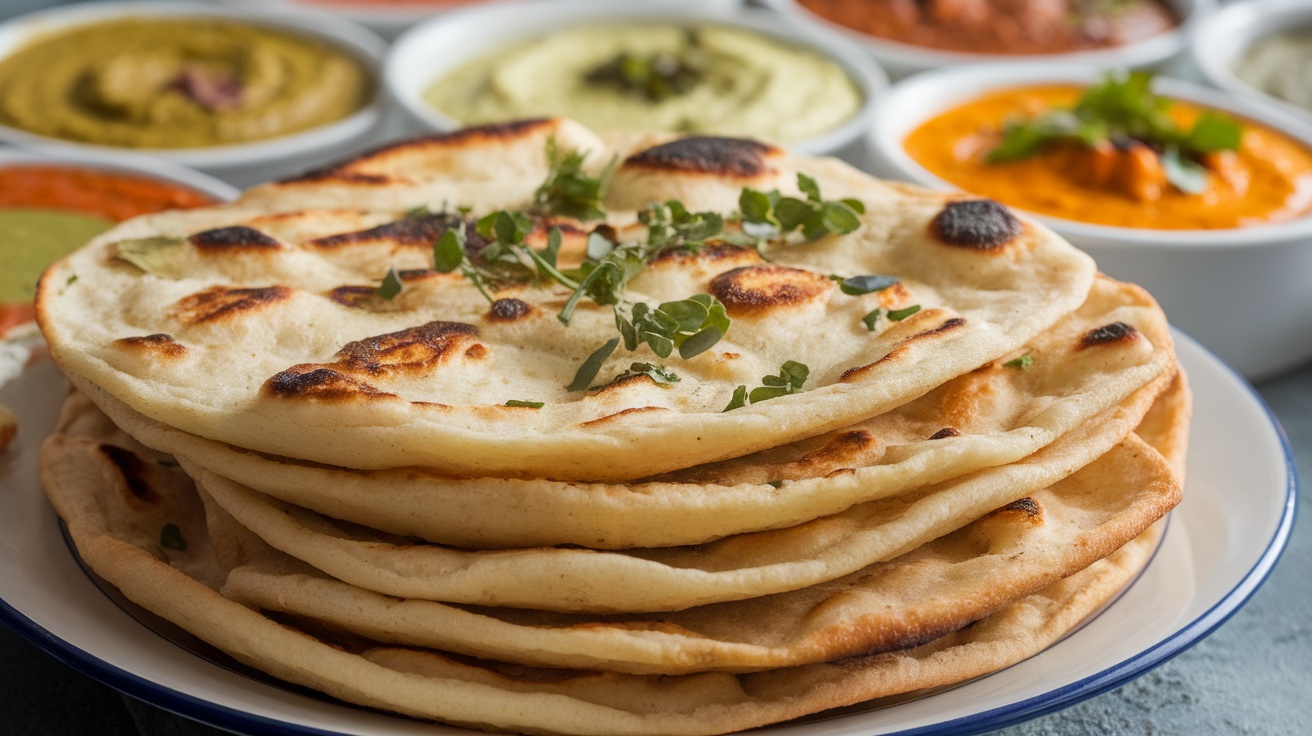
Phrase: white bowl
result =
(1243, 292)
(426, 53)
(388, 21)
(903, 59)
(1220, 41)
(243, 163)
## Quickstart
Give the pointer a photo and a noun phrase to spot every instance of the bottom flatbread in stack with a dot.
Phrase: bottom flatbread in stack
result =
(116, 496)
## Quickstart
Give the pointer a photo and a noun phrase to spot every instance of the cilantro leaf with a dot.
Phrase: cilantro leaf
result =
(871, 319)
(588, 371)
(792, 375)
(391, 285)
(568, 190)
(897, 315)
(526, 404)
(858, 285)
(1024, 361)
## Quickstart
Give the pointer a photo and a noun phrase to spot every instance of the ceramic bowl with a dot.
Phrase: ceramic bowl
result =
(424, 54)
(1222, 40)
(903, 59)
(1241, 291)
(243, 163)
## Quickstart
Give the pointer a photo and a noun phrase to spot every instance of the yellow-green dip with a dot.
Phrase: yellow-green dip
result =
(177, 83)
(743, 83)
(31, 239)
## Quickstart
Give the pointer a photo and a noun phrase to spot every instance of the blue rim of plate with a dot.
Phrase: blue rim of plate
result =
(239, 721)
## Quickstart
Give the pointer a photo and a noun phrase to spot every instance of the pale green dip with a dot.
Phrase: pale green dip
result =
(753, 86)
(1281, 66)
(31, 239)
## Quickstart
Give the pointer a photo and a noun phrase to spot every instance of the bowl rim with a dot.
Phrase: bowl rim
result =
(1224, 36)
(910, 58)
(408, 48)
(367, 47)
(952, 87)
(146, 167)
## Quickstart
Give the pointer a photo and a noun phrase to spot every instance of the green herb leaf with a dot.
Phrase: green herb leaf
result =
(654, 77)
(738, 401)
(391, 285)
(1122, 107)
(657, 373)
(591, 366)
(1212, 132)
(1024, 361)
(858, 285)
(770, 214)
(792, 375)
(568, 190)
(449, 251)
(170, 537)
(871, 319)
(154, 255)
(897, 315)
(526, 404)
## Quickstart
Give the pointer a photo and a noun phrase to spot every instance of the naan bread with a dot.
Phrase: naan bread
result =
(986, 418)
(256, 325)
(671, 578)
(115, 501)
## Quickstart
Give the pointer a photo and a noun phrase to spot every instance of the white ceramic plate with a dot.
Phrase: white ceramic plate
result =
(1221, 543)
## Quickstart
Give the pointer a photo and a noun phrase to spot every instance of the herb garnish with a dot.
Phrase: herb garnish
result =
(526, 404)
(154, 254)
(1024, 361)
(790, 379)
(654, 77)
(568, 190)
(858, 285)
(1121, 110)
(897, 315)
(871, 319)
(771, 215)
(391, 285)
(505, 258)
(170, 537)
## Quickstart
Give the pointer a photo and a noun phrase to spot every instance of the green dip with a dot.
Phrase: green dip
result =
(748, 84)
(177, 83)
(31, 239)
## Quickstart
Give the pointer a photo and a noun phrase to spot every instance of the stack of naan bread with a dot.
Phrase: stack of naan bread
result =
(327, 483)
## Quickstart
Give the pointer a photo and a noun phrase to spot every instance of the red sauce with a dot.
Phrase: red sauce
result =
(103, 194)
(1001, 26)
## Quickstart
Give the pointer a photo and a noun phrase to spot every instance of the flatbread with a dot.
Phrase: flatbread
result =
(114, 508)
(671, 578)
(256, 326)
(989, 417)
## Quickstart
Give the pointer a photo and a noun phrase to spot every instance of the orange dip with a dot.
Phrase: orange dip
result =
(47, 211)
(110, 195)
(1268, 179)
(1001, 26)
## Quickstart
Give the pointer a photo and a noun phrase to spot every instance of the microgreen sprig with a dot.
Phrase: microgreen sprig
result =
(568, 190)
(771, 215)
(792, 375)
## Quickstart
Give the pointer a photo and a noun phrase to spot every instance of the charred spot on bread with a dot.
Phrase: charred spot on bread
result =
(979, 224)
(133, 470)
(509, 309)
(946, 432)
(159, 344)
(317, 382)
(1116, 332)
(754, 289)
(737, 158)
(235, 237)
(222, 302)
(413, 347)
(418, 231)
